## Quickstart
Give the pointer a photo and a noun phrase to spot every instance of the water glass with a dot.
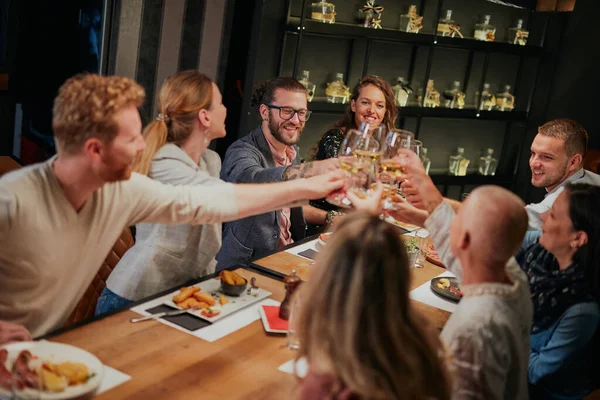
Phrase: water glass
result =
(421, 236)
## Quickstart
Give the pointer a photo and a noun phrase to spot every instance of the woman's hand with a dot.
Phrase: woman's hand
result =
(371, 203)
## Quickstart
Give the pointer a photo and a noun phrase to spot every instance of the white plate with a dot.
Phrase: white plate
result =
(235, 302)
(56, 353)
(407, 227)
(266, 324)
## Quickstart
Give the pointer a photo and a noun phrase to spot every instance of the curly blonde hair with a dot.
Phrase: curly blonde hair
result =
(86, 105)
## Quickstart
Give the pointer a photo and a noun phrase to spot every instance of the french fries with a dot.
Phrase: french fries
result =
(189, 303)
(223, 300)
(185, 293)
(205, 297)
(232, 278)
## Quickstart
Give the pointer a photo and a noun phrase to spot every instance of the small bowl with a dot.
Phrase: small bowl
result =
(233, 290)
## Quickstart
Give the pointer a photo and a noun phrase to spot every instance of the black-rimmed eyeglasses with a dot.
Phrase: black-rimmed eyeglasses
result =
(287, 113)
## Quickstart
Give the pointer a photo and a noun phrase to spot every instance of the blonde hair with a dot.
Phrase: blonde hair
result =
(356, 318)
(181, 97)
(86, 105)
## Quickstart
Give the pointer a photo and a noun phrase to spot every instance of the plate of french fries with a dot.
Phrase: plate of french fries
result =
(208, 301)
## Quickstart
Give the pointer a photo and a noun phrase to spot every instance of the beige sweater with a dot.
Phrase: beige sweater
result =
(49, 253)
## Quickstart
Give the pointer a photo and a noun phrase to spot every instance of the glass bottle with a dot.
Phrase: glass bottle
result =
(454, 98)
(425, 160)
(487, 100)
(487, 163)
(411, 22)
(446, 24)
(401, 92)
(484, 31)
(432, 96)
(458, 163)
(518, 35)
(505, 101)
(310, 87)
(366, 13)
(323, 11)
(337, 91)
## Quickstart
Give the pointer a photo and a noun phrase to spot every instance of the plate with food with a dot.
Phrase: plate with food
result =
(47, 371)
(403, 225)
(447, 287)
(216, 298)
(433, 257)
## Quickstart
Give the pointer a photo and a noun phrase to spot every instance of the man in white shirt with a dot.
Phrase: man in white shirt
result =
(488, 334)
(557, 154)
(59, 219)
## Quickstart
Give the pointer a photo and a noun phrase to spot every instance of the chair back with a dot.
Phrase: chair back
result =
(87, 305)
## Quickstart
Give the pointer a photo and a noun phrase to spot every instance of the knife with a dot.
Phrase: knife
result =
(162, 314)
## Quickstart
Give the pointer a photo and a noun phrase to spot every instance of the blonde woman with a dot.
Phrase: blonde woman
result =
(357, 329)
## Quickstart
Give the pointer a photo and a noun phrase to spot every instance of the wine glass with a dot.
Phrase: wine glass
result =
(359, 154)
(391, 170)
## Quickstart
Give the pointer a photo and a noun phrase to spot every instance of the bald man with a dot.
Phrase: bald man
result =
(488, 334)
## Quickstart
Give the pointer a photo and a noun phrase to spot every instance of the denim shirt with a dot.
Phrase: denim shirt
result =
(561, 360)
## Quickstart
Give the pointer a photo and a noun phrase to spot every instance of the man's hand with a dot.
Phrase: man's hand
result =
(412, 195)
(321, 186)
(406, 212)
(371, 203)
(10, 332)
(419, 179)
(312, 168)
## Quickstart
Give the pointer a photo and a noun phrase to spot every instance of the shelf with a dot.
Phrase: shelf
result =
(425, 112)
(471, 179)
(424, 39)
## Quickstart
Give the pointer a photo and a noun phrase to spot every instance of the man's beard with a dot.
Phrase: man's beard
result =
(115, 171)
(276, 132)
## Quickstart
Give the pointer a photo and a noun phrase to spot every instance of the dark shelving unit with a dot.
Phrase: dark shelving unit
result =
(286, 41)
(295, 26)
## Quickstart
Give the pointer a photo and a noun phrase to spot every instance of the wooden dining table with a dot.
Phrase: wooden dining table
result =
(166, 363)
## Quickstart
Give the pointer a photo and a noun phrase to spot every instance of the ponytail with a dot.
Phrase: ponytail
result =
(155, 135)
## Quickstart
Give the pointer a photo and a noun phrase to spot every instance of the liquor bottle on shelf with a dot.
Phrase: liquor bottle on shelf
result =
(432, 96)
(518, 35)
(487, 101)
(505, 101)
(411, 22)
(425, 160)
(337, 91)
(323, 11)
(401, 92)
(487, 163)
(369, 15)
(484, 31)
(310, 87)
(457, 164)
(454, 98)
(447, 26)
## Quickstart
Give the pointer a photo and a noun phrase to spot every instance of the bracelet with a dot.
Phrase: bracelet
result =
(331, 215)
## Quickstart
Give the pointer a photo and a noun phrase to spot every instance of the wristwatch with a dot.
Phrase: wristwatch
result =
(331, 215)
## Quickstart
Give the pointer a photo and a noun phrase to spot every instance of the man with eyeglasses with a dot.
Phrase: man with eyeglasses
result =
(269, 154)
